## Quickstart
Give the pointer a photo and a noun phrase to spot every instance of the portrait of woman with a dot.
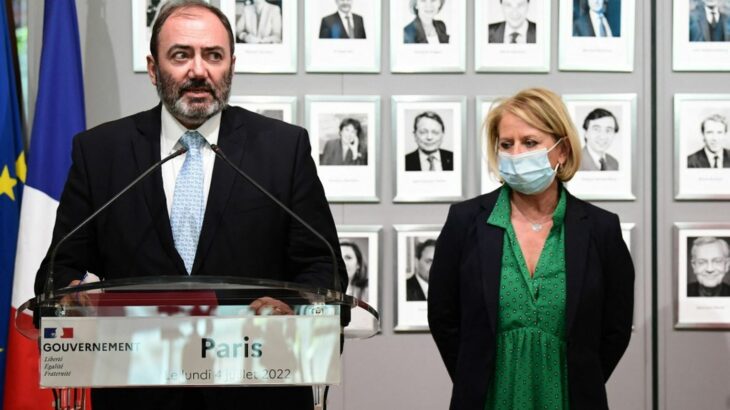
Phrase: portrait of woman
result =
(259, 23)
(544, 280)
(357, 270)
(425, 28)
(349, 148)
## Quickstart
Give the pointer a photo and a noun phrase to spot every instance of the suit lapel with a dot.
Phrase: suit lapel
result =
(490, 239)
(146, 147)
(577, 236)
(230, 140)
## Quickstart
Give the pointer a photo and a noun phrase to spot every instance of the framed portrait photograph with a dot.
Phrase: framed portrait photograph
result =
(702, 146)
(144, 14)
(703, 283)
(606, 125)
(415, 246)
(488, 181)
(360, 247)
(427, 36)
(512, 35)
(265, 32)
(342, 36)
(701, 35)
(282, 108)
(597, 35)
(428, 142)
(345, 132)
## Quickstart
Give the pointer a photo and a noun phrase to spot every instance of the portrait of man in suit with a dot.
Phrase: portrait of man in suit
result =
(349, 149)
(714, 136)
(708, 22)
(710, 261)
(600, 129)
(596, 18)
(428, 131)
(258, 22)
(195, 215)
(515, 28)
(342, 24)
(417, 284)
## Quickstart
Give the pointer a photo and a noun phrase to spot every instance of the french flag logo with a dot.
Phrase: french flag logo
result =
(52, 333)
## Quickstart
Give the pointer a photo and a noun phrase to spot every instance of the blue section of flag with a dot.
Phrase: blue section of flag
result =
(11, 148)
(59, 109)
(49, 333)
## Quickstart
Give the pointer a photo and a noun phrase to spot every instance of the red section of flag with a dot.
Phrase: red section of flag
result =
(67, 333)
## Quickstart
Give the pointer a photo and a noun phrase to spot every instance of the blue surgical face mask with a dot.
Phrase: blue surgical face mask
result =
(530, 172)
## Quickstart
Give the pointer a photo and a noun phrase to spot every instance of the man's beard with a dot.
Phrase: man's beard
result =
(193, 111)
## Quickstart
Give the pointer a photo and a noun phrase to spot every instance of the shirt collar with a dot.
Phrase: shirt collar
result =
(711, 156)
(172, 130)
(502, 211)
(424, 157)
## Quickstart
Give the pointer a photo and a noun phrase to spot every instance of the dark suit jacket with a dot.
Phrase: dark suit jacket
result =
(332, 154)
(414, 33)
(332, 26)
(587, 163)
(414, 292)
(463, 299)
(413, 163)
(699, 159)
(693, 289)
(582, 26)
(699, 28)
(243, 233)
(496, 32)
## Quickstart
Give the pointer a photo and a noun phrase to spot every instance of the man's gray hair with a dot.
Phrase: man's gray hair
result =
(709, 240)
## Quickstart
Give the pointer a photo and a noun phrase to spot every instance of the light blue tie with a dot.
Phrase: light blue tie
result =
(186, 216)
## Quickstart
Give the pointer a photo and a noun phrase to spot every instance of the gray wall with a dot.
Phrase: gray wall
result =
(694, 365)
(404, 370)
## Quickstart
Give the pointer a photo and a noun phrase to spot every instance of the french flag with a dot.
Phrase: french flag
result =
(59, 115)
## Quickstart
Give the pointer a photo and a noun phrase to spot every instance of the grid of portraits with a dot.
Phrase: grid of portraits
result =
(425, 35)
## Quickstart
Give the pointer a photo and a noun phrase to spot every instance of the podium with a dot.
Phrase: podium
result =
(176, 331)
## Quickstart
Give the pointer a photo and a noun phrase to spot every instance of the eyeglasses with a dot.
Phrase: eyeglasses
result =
(714, 262)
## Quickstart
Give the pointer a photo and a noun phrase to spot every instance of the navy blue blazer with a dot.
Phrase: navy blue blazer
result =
(463, 299)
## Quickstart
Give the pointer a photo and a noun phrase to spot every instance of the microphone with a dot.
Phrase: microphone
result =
(335, 271)
(48, 288)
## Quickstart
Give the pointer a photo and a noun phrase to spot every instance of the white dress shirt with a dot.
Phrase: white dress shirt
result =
(344, 17)
(423, 283)
(596, 21)
(595, 157)
(711, 157)
(711, 14)
(521, 33)
(425, 165)
(170, 134)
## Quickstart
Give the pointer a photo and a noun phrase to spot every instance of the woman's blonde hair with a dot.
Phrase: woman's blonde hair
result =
(541, 109)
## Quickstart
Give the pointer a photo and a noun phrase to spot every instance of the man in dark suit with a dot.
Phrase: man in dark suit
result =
(428, 130)
(343, 23)
(195, 216)
(708, 23)
(591, 21)
(710, 258)
(712, 155)
(417, 285)
(516, 28)
(348, 149)
(600, 129)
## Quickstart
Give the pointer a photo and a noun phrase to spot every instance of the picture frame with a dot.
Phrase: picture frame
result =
(328, 48)
(488, 181)
(410, 297)
(493, 47)
(581, 47)
(282, 108)
(265, 35)
(331, 121)
(144, 14)
(411, 51)
(703, 290)
(700, 127)
(436, 176)
(608, 160)
(360, 246)
(693, 45)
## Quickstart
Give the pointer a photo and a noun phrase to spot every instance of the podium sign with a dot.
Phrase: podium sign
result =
(189, 350)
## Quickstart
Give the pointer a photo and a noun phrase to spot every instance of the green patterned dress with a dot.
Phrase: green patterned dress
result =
(531, 370)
